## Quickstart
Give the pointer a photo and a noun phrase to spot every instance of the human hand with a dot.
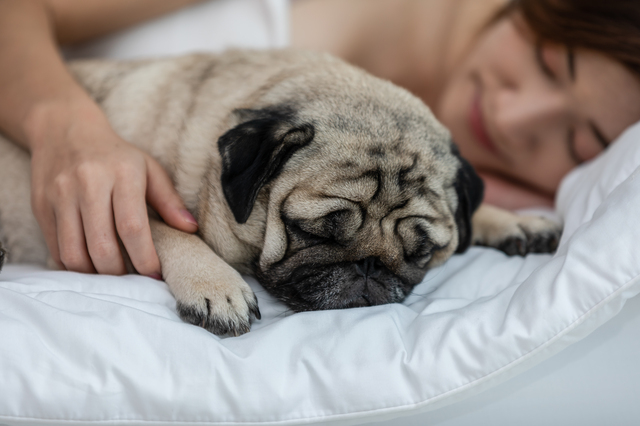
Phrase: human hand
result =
(89, 187)
(510, 196)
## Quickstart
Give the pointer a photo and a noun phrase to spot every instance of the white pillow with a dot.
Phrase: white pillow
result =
(583, 190)
(81, 348)
(209, 26)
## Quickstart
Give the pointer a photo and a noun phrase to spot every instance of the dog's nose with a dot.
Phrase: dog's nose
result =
(369, 267)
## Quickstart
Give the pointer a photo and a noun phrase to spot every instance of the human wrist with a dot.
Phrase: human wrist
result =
(54, 118)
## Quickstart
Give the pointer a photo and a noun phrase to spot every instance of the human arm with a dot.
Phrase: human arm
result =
(88, 185)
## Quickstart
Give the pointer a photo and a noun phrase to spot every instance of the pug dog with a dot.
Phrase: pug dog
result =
(335, 189)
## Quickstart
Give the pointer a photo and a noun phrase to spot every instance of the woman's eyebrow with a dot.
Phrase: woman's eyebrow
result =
(571, 63)
(599, 135)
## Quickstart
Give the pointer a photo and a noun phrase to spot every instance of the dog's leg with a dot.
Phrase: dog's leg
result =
(514, 234)
(209, 292)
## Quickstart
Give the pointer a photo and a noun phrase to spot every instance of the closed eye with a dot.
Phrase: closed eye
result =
(310, 239)
(423, 247)
(334, 221)
(548, 70)
(589, 145)
(544, 67)
(571, 145)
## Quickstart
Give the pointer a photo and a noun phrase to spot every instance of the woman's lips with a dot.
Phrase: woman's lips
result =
(476, 121)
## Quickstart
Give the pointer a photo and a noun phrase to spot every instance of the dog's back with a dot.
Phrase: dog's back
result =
(19, 230)
(175, 109)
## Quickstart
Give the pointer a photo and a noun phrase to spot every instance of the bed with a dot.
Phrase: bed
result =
(484, 339)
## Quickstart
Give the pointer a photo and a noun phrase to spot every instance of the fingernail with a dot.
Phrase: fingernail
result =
(155, 276)
(188, 217)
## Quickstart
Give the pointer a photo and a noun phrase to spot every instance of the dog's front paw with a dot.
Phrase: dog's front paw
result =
(529, 235)
(221, 307)
(515, 235)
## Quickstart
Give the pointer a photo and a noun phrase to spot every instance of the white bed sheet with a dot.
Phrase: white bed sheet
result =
(97, 349)
(593, 382)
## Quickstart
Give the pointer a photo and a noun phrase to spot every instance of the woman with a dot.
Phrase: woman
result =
(527, 100)
(524, 87)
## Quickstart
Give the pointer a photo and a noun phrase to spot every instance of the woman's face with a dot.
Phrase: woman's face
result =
(532, 113)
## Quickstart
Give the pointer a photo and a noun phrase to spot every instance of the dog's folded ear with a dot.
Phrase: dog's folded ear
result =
(255, 151)
(470, 189)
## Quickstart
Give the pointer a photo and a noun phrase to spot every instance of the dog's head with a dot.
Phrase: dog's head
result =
(362, 196)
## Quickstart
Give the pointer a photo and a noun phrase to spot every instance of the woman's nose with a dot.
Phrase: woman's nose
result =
(524, 119)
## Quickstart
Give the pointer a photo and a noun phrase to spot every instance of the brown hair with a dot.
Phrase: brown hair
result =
(611, 27)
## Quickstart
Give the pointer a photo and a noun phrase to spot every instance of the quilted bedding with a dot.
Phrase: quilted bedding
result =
(99, 349)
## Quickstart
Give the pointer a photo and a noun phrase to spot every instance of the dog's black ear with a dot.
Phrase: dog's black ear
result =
(470, 189)
(255, 151)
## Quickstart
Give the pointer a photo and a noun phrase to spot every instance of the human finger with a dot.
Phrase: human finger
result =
(72, 247)
(47, 222)
(163, 197)
(132, 223)
(100, 233)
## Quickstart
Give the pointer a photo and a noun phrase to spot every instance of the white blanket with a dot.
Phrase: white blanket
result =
(85, 348)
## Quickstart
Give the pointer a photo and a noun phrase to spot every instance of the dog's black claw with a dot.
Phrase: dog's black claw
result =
(253, 307)
(212, 322)
(544, 242)
(514, 246)
(255, 310)
(3, 254)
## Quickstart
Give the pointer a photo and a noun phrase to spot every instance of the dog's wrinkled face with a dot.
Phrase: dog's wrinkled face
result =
(357, 209)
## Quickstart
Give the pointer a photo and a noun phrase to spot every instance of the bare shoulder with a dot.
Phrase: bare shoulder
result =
(413, 43)
(339, 26)
(470, 17)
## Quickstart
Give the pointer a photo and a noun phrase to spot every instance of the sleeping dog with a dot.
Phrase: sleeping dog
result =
(333, 188)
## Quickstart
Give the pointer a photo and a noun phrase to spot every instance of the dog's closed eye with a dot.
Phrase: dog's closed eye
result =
(418, 246)
(302, 235)
(338, 225)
